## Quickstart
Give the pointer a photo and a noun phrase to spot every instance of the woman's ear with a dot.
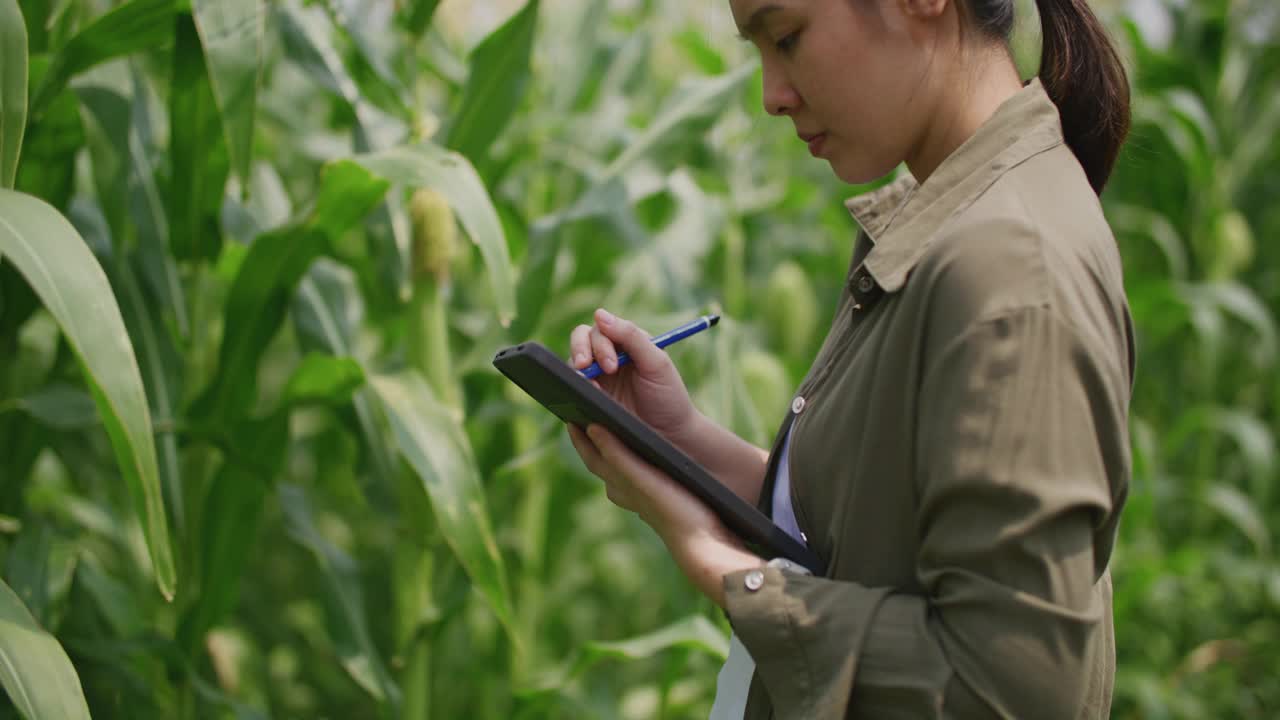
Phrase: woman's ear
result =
(924, 9)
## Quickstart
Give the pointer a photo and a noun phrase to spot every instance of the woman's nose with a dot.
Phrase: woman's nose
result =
(780, 98)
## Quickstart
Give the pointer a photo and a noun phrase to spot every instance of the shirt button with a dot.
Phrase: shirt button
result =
(797, 405)
(865, 283)
(754, 580)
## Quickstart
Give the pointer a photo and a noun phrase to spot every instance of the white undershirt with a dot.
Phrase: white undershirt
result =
(735, 677)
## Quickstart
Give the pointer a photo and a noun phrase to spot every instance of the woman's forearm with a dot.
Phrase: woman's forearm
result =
(736, 463)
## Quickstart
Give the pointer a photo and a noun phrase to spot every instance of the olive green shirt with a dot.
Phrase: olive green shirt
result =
(960, 452)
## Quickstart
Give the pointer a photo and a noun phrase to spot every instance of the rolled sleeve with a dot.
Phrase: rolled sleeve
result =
(1018, 417)
(788, 623)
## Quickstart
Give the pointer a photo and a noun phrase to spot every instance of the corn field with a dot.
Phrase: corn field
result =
(256, 257)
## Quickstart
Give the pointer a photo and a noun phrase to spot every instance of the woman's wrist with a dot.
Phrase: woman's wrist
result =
(706, 557)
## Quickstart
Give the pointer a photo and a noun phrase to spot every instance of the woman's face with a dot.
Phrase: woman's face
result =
(849, 73)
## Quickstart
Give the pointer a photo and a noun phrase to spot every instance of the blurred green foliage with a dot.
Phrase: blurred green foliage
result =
(366, 519)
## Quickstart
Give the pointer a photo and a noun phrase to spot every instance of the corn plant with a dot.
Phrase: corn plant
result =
(255, 259)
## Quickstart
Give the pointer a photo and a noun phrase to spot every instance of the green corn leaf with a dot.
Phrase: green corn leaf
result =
(1245, 304)
(309, 41)
(344, 601)
(162, 369)
(110, 598)
(50, 144)
(373, 38)
(427, 165)
(253, 313)
(1256, 141)
(347, 193)
(546, 238)
(105, 113)
(694, 102)
(418, 14)
(232, 33)
(692, 633)
(1149, 223)
(327, 312)
(259, 297)
(1256, 443)
(147, 208)
(574, 88)
(129, 28)
(34, 668)
(40, 567)
(1243, 513)
(237, 710)
(60, 406)
(323, 379)
(700, 51)
(1238, 301)
(431, 439)
(158, 359)
(232, 512)
(53, 257)
(13, 89)
(119, 135)
(499, 77)
(197, 150)
(537, 275)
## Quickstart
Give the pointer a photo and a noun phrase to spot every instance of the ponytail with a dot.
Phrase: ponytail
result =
(1081, 71)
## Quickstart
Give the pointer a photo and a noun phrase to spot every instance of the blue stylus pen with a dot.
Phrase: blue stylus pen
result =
(593, 370)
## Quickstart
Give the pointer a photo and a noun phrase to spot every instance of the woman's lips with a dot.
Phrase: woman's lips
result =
(815, 143)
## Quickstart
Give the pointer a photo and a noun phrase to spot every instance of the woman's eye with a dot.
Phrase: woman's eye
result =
(787, 43)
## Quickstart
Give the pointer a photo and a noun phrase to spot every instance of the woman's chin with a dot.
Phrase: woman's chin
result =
(859, 173)
(855, 173)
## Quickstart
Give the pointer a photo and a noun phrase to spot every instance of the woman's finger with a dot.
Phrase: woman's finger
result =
(646, 490)
(603, 350)
(586, 450)
(618, 497)
(619, 457)
(637, 343)
(613, 488)
(580, 347)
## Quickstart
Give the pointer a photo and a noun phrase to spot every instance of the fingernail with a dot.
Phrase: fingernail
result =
(605, 317)
(578, 358)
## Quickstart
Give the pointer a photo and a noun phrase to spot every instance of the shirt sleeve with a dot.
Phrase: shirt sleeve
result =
(1019, 426)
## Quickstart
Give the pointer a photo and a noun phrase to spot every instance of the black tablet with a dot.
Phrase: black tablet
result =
(564, 391)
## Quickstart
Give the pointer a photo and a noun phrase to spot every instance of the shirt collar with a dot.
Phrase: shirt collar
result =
(902, 218)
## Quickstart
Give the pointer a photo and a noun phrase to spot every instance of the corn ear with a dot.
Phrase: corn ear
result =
(435, 240)
(768, 385)
(1234, 246)
(435, 235)
(791, 309)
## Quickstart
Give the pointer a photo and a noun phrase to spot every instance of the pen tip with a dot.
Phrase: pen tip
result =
(712, 320)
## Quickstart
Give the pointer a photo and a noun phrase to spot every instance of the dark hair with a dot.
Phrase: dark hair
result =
(1082, 73)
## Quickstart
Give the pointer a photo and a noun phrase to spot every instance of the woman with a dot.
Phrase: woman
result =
(957, 455)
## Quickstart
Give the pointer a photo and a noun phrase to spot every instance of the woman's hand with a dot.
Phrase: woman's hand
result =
(649, 386)
(702, 546)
